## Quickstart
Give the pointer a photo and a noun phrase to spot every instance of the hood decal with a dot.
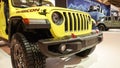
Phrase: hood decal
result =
(28, 10)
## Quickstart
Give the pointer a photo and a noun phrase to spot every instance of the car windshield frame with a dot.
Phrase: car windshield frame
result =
(30, 3)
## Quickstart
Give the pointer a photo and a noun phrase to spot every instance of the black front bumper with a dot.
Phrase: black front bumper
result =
(50, 47)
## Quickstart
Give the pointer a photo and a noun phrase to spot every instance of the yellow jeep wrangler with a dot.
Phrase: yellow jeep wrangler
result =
(36, 30)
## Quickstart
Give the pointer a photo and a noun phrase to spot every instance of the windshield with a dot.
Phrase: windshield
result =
(30, 3)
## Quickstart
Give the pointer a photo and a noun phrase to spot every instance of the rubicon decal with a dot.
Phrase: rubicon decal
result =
(28, 10)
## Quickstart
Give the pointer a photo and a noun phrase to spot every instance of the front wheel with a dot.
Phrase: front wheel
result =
(24, 54)
(86, 52)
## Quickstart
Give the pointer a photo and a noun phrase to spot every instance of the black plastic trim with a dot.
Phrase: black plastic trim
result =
(37, 26)
(80, 43)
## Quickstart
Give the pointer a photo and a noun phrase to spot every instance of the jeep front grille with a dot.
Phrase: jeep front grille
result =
(76, 21)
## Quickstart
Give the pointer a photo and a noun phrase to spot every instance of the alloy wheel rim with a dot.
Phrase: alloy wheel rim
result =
(18, 56)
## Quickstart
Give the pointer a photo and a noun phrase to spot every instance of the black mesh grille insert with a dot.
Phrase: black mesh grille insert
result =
(66, 21)
(78, 22)
(70, 20)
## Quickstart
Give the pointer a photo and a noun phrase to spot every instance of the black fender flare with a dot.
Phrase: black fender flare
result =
(13, 25)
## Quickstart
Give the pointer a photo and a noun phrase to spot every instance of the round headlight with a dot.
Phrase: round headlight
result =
(57, 18)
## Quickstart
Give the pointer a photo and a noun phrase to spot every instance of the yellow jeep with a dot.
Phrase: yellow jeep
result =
(36, 30)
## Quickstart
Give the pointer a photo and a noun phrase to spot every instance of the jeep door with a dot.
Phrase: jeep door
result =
(116, 22)
(2, 21)
(108, 21)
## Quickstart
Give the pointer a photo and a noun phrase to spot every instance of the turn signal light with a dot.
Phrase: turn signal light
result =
(26, 20)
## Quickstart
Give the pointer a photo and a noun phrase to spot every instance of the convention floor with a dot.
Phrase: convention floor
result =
(106, 55)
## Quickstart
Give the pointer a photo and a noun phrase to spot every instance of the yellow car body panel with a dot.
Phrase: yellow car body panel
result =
(56, 30)
(2, 22)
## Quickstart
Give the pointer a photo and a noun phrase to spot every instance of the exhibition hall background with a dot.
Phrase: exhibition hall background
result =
(98, 11)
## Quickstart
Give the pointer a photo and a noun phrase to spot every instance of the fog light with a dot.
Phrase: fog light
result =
(62, 48)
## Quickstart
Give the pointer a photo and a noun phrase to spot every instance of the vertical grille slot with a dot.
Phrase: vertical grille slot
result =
(66, 21)
(70, 17)
(81, 21)
(78, 22)
(84, 22)
(87, 21)
(75, 23)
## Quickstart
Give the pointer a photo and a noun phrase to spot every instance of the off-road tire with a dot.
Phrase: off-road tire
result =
(25, 54)
(86, 52)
